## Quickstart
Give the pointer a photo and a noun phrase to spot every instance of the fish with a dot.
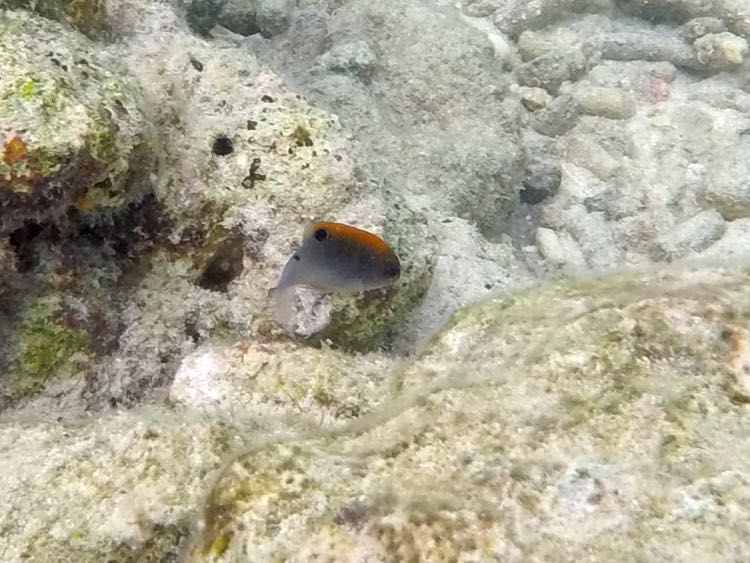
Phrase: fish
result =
(335, 258)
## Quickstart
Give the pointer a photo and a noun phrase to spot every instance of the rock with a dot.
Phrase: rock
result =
(479, 8)
(534, 99)
(559, 117)
(597, 238)
(560, 249)
(645, 46)
(515, 16)
(691, 236)
(441, 98)
(531, 46)
(729, 190)
(732, 246)
(720, 51)
(74, 134)
(280, 387)
(542, 175)
(90, 17)
(734, 13)
(698, 27)
(356, 58)
(273, 16)
(151, 464)
(586, 151)
(605, 102)
(551, 70)
(238, 16)
(580, 386)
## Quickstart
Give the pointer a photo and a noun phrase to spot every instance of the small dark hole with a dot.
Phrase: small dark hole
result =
(223, 145)
(321, 234)
(197, 65)
(251, 125)
(267, 99)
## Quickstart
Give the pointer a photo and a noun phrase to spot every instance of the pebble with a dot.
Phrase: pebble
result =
(515, 16)
(586, 152)
(691, 236)
(596, 237)
(356, 58)
(560, 248)
(645, 46)
(534, 99)
(273, 16)
(530, 46)
(729, 191)
(479, 8)
(720, 51)
(611, 103)
(559, 117)
(542, 176)
(552, 69)
(698, 27)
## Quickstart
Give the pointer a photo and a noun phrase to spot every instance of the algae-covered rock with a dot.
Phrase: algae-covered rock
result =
(71, 125)
(587, 420)
(87, 16)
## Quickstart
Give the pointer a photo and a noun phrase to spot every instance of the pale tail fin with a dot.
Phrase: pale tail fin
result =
(284, 311)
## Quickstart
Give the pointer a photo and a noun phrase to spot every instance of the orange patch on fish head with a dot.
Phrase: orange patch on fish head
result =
(323, 230)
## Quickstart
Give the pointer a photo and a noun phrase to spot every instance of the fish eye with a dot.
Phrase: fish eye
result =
(392, 271)
(296, 257)
(321, 234)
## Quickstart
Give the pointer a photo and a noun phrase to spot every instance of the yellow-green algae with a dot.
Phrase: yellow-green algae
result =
(45, 345)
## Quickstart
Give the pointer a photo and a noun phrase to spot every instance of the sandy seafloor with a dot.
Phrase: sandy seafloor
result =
(560, 374)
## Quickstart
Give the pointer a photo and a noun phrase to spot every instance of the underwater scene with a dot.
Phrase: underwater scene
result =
(374, 281)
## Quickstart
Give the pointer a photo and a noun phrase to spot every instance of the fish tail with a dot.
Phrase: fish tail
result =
(284, 312)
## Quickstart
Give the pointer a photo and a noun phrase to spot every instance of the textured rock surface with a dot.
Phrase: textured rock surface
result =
(87, 16)
(615, 405)
(71, 122)
(120, 487)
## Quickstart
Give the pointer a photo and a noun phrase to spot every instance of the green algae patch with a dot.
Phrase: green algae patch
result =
(45, 346)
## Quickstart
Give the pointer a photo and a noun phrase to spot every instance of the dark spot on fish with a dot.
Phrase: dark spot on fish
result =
(223, 146)
(251, 125)
(296, 257)
(392, 271)
(266, 98)
(321, 234)
(197, 65)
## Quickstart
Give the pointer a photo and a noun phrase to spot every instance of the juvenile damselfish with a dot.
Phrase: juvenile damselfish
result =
(335, 257)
